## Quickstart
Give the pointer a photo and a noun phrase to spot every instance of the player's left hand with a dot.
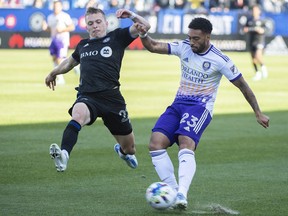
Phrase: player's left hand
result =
(123, 13)
(263, 120)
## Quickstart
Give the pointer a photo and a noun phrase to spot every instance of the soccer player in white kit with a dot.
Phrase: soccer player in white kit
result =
(184, 121)
(60, 24)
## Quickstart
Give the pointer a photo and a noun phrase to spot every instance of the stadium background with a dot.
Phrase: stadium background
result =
(21, 22)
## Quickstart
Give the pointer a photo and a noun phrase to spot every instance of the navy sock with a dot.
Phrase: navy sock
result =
(122, 151)
(255, 67)
(70, 136)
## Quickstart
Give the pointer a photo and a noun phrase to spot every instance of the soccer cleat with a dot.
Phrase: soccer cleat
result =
(264, 72)
(59, 157)
(60, 80)
(131, 160)
(258, 76)
(180, 202)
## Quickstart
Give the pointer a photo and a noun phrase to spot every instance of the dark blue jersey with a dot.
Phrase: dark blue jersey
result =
(100, 60)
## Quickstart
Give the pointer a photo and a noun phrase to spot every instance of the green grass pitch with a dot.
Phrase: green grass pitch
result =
(240, 165)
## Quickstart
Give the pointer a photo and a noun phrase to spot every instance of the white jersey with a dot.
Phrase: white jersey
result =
(201, 73)
(61, 20)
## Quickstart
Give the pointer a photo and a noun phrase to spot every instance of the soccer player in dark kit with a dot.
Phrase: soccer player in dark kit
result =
(99, 95)
(256, 27)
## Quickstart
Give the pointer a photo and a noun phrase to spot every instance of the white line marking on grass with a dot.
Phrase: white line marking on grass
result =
(214, 209)
(217, 208)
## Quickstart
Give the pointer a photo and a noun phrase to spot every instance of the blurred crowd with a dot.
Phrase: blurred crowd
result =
(153, 6)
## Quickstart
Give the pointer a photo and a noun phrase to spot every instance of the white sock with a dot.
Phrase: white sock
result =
(164, 167)
(65, 152)
(187, 169)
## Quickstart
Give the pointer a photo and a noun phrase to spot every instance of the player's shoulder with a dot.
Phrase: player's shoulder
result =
(179, 43)
(83, 42)
(217, 54)
(119, 31)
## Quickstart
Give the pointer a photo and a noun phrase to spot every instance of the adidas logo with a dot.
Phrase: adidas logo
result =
(86, 45)
(276, 47)
(185, 59)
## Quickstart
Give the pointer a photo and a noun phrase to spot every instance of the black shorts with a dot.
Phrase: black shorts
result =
(110, 106)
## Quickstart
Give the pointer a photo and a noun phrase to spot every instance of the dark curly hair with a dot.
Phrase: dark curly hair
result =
(202, 24)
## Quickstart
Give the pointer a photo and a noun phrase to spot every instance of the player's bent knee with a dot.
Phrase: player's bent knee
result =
(155, 146)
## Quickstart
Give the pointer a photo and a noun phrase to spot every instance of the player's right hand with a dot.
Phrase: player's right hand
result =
(141, 29)
(50, 81)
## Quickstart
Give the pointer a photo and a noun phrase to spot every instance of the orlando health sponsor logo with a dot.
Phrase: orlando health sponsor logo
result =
(193, 75)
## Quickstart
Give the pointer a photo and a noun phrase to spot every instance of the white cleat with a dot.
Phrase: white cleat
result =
(60, 158)
(264, 72)
(60, 80)
(180, 202)
(258, 76)
(131, 160)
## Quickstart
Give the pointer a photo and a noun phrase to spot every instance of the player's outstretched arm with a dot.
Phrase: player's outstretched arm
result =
(250, 97)
(124, 13)
(149, 43)
(64, 67)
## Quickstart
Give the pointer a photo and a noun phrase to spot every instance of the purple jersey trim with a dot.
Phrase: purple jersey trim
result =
(169, 48)
(236, 78)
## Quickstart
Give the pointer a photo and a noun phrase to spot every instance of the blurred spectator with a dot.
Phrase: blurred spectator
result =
(273, 6)
(39, 4)
(92, 3)
(163, 4)
(180, 4)
(28, 3)
(144, 7)
(129, 4)
(15, 3)
(239, 4)
(11, 4)
(3, 3)
(114, 4)
(219, 5)
(195, 4)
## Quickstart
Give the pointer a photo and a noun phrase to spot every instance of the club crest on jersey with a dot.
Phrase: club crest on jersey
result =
(106, 40)
(174, 43)
(234, 69)
(206, 65)
(106, 51)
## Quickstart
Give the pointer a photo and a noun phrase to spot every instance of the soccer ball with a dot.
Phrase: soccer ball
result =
(160, 195)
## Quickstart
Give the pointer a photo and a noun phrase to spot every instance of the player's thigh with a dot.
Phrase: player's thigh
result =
(194, 121)
(81, 113)
(165, 128)
(117, 121)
